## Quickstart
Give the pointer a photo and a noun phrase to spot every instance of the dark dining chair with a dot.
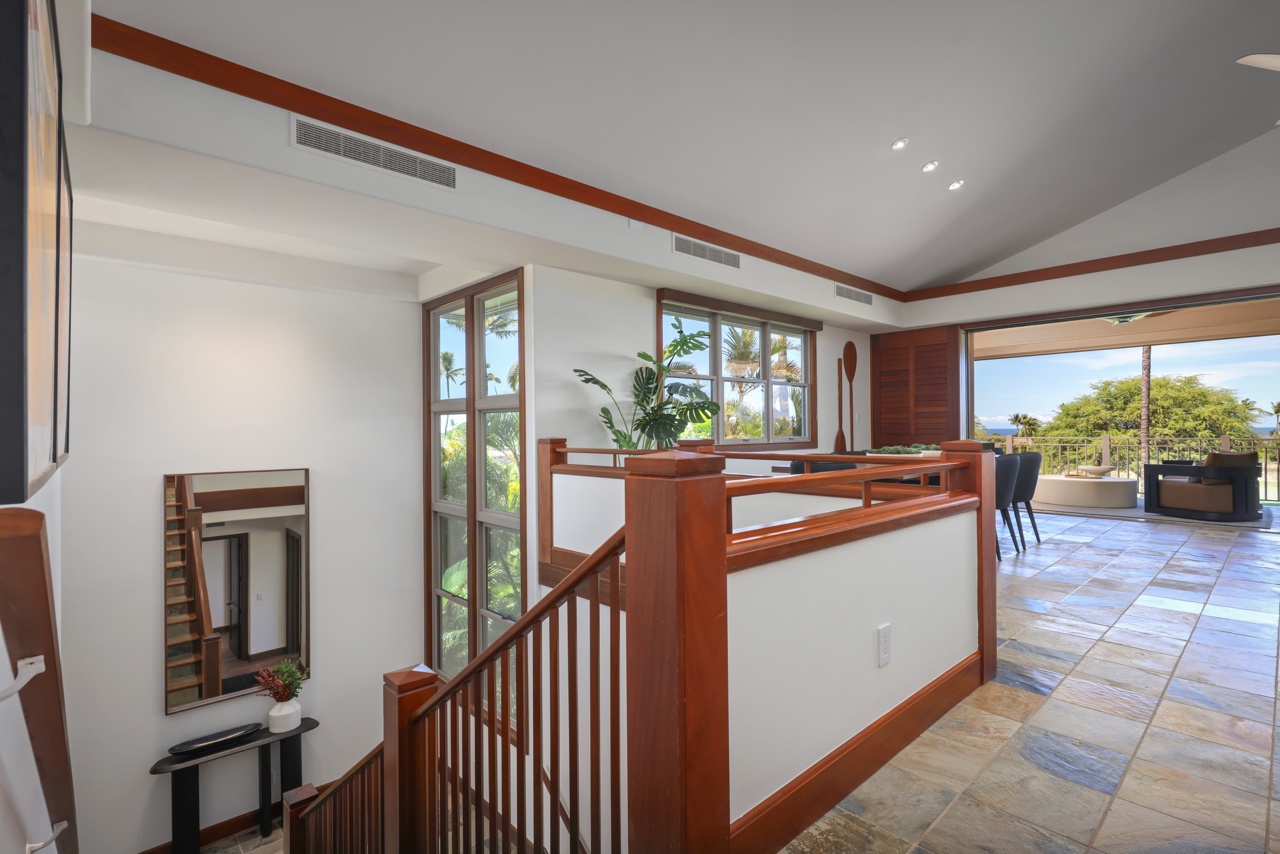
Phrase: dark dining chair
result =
(1025, 489)
(1006, 481)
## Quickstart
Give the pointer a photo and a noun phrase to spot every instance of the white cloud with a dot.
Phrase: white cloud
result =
(1098, 360)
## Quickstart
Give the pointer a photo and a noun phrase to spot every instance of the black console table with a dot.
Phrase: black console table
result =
(185, 792)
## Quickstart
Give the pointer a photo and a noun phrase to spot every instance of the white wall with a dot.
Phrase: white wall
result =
(805, 628)
(275, 379)
(214, 555)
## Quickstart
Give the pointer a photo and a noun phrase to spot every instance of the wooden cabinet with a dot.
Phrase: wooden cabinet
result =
(915, 386)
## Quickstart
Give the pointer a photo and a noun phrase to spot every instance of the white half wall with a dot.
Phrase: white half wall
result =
(805, 627)
(180, 374)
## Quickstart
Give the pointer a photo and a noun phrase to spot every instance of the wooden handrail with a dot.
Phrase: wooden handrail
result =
(763, 485)
(210, 641)
(332, 790)
(562, 593)
(28, 622)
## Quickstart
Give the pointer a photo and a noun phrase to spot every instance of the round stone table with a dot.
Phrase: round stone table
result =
(1066, 491)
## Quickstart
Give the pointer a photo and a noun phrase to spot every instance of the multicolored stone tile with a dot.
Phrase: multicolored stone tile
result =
(1006, 701)
(1031, 679)
(1214, 726)
(1215, 762)
(970, 827)
(1106, 698)
(839, 832)
(976, 728)
(1070, 758)
(1019, 788)
(898, 802)
(948, 763)
(1239, 703)
(1105, 730)
(1153, 662)
(1132, 829)
(1122, 676)
(1227, 810)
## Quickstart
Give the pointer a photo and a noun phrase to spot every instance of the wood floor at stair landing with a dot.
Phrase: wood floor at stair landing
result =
(1134, 710)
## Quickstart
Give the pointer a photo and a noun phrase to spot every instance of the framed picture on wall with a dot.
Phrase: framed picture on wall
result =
(62, 376)
(31, 177)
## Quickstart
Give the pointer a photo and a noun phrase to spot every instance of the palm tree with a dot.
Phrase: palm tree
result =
(1144, 425)
(1275, 410)
(1028, 425)
(450, 372)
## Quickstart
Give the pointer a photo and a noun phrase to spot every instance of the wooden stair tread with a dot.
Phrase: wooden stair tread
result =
(174, 548)
(183, 684)
(174, 564)
(175, 582)
(187, 638)
(179, 600)
(173, 518)
(171, 504)
(182, 661)
(184, 618)
(175, 531)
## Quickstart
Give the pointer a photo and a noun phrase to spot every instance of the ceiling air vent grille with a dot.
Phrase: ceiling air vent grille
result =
(846, 292)
(707, 252)
(307, 134)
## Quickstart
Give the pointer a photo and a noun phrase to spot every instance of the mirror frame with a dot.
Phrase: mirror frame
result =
(304, 654)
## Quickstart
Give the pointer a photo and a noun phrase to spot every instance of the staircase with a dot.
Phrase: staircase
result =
(192, 650)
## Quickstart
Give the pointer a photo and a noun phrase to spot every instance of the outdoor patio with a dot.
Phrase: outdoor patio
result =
(1133, 710)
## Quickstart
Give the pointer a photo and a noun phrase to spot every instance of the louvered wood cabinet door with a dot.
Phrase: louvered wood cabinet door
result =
(915, 386)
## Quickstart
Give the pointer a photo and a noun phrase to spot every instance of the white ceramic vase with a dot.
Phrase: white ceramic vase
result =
(285, 716)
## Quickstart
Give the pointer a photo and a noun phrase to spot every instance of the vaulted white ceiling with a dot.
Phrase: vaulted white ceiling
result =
(773, 120)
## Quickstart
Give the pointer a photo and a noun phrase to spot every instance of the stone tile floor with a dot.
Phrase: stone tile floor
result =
(1134, 709)
(248, 841)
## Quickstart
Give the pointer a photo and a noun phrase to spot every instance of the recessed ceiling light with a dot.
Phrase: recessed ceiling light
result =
(930, 166)
(1269, 61)
(955, 185)
(899, 144)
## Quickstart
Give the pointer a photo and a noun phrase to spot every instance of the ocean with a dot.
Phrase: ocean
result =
(1010, 431)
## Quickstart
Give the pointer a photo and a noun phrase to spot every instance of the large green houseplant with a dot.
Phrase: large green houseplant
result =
(661, 409)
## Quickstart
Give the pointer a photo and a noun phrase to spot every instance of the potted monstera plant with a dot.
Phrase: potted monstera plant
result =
(661, 407)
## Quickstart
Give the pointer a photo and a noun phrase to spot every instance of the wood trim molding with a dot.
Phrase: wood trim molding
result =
(148, 49)
(246, 499)
(844, 526)
(1177, 252)
(770, 825)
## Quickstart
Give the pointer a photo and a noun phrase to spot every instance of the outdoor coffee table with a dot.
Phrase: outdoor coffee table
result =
(1114, 492)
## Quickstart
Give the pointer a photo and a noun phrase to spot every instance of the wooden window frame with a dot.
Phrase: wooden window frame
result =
(669, 299)
(473, 406)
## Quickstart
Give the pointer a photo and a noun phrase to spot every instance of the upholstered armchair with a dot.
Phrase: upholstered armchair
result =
(1224, 488)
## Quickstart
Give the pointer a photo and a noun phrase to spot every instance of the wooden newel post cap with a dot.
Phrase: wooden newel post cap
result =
(409, 679)
(675, 464)
(553, 441)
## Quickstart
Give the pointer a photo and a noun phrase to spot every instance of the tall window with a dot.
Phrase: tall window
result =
(475, 540)
(759, 371)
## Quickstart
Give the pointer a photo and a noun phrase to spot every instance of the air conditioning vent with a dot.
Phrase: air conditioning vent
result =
(846, 292)
(706, 252)
(337, 143)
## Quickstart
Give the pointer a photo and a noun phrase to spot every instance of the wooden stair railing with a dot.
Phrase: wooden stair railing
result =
(346, 817)
(477, 758)
(28, 621)
(194, 660)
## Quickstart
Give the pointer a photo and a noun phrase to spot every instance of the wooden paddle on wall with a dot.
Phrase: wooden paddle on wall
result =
(850, 368)
(840, 442)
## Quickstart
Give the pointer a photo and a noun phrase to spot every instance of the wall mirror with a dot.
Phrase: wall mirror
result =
(236, 548)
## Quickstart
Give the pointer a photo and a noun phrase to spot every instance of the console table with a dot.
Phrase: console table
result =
(185, 786)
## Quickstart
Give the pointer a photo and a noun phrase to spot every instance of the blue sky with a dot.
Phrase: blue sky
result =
(1038, 384)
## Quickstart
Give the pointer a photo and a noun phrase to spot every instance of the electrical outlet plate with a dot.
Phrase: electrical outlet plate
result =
(884, 642)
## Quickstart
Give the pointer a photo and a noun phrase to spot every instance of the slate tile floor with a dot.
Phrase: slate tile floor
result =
(248, 841)
(1134, 709)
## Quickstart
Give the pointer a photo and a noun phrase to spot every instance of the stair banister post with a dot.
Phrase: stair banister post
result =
(980, 478)
(295, 832)
(677, 654)
(404, 764)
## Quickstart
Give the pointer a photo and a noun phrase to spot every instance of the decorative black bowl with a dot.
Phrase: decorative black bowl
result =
(218, 739)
